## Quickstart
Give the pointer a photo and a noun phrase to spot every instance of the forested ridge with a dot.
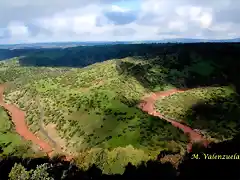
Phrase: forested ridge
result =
(86, 55)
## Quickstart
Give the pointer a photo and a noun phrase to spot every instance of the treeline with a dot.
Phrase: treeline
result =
(85, 55)
(188, 65)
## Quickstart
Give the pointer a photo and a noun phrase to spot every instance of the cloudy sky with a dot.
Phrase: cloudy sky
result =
(111, 20)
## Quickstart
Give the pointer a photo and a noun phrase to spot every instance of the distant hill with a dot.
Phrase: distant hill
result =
(93, 43)
(182, 40)
(82, 56)
(58, 44)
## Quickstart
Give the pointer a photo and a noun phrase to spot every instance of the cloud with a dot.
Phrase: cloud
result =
(83, 20)
(123, 32)
(17, 29)
(120, 16)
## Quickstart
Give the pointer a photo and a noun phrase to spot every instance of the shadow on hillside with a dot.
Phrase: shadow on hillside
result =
(219, 117)
(188, 66)
(209, 165)
(175, 77)
(81, 56)
(205, 168)
(86, 55)
(152, 169)
(189, 168)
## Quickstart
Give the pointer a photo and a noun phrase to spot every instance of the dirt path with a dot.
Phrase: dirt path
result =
(148, 105)
(41, 124)
(18, 118)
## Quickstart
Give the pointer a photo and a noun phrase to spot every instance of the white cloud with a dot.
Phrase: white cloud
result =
(205, 20)
(177, 25)
(118, 9)
(82, 20)
(17, 29)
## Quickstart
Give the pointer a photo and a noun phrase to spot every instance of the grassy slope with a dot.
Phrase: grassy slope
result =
(94, 110)
(221, 121)
(187, 65)
(10, 142)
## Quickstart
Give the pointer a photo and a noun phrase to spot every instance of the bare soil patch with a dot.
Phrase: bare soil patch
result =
(18, 118)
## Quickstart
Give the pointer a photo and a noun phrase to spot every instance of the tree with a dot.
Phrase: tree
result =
(40, 173)
(20, 173)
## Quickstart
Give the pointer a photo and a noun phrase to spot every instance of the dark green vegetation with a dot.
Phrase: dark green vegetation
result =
(10, 142)
(78, 56)
(94, 108)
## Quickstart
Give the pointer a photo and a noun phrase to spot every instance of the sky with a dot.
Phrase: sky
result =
(29, 21)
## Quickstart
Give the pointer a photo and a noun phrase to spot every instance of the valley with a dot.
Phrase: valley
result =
(111, 112)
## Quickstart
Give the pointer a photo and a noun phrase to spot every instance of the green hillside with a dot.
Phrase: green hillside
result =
(10, 142)
(94, 108)
(214, 110)
(92, 112)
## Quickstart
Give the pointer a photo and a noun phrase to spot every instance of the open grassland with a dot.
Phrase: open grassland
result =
(213, 109)
(94, 112)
